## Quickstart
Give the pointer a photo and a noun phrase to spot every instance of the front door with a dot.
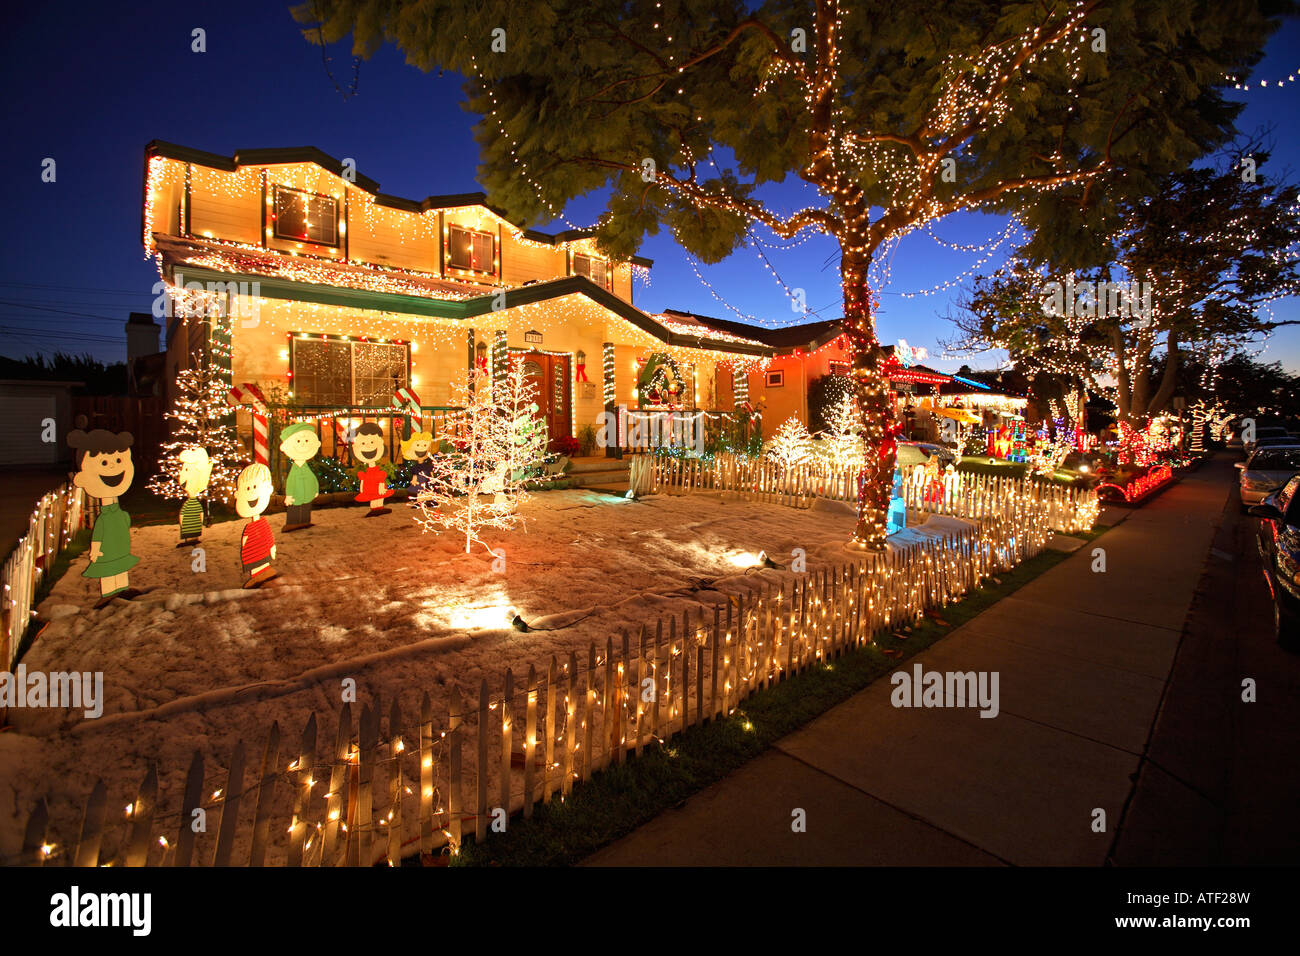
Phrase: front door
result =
(548, 376)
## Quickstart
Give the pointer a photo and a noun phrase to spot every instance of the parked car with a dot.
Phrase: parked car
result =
(1279, 548)
(1266, 470)
(912, 453)
(1274, 432)
(1268, 441)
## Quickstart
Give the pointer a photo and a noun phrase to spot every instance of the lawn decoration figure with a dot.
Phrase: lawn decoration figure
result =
(368, 447)
(482, 483)
(105, 471)
(195, 473)
(419, 449)
(300, 443)
(257, 543)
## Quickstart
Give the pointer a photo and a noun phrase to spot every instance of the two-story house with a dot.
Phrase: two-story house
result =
(336, 294)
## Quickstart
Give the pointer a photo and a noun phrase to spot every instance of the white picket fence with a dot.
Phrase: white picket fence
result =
(380, 792)
(961, 494)
(53, 524)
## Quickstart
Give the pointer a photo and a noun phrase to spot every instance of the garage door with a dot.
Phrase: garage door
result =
(20, 431)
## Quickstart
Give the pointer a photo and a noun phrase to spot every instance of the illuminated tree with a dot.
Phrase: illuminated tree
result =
(201, 416)
(791, 445)
(897, 112)
(1209, 252)
(841, 441)
(498, 443)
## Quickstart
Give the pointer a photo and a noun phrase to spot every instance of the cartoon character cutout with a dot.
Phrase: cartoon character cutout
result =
(368, 447)
(418, 449)
(195, 473)
(300, 443)
(257, 543)
(105, 471)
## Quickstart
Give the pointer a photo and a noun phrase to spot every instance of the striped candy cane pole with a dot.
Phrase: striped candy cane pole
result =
(405, 399)
(249, 394)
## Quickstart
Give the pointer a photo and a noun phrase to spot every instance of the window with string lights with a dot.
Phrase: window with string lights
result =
(471, 250)
(305, 217)
(597, 270)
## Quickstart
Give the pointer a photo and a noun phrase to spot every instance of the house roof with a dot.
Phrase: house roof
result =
(806, 336)
(345, 285)
(310, 154)
(973, 385)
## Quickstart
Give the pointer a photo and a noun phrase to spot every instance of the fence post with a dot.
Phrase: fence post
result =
(336, 803)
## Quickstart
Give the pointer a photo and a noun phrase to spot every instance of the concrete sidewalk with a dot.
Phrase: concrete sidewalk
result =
(1083, 659)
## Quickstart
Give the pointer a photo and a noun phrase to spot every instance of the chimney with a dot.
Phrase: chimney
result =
(141, 336)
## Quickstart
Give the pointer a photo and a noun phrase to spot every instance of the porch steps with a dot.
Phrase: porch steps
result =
(600, 474)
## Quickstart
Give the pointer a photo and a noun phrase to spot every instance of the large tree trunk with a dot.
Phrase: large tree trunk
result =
(876, 477)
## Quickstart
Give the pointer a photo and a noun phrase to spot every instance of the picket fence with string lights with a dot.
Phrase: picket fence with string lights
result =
(377, 792)
(974, 497)
(53, 523)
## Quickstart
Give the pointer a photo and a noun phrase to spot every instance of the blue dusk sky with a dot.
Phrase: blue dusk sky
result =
(90, 84)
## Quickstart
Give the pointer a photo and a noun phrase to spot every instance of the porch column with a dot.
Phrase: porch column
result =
(739, 387)
(613, 448)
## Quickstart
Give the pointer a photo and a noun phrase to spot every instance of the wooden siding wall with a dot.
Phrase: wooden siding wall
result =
(226, 205)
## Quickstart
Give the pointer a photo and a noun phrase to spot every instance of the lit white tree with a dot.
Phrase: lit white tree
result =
(841, 442)
(791, 445)
(498, 443)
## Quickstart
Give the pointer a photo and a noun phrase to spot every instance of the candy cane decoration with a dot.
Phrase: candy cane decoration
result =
(249, 394)
(405, 399)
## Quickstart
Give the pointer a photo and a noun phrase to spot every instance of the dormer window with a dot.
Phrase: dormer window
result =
(471, 250)
(305, 217)
(597, 270)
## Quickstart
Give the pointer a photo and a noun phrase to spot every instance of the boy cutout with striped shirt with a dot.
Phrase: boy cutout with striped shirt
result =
(195, 473)
(257, 543)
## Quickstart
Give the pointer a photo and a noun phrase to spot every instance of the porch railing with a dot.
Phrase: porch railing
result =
(333, 424)
(705, 431)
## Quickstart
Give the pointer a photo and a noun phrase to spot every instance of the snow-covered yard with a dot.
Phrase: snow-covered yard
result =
(198, 664)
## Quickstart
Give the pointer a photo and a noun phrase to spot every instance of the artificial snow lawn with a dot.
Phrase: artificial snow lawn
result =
(197, 663)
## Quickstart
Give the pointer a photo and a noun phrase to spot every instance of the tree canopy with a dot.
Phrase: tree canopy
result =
(1209, 250)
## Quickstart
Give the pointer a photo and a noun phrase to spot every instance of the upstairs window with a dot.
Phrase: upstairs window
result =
(306, 217)
(597, 270)
(839, 368)
(471, 250)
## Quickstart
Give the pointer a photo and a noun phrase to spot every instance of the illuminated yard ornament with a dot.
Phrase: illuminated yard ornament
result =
(256, 543)
(300, 443)
(841, 442)
(498, 443)
(418, 449)
(1049, 456)
(368, 448)
(897, 519)
(105, 471)
(791, 445)
(196, 471)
